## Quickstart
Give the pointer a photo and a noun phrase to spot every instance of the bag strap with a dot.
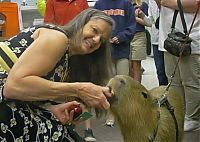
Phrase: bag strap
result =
(195, 16)
(181, 15)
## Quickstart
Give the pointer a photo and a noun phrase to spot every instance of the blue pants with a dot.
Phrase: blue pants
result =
(160, 67)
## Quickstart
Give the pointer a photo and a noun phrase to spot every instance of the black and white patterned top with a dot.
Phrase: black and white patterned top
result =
(22, 41)
(29, 121)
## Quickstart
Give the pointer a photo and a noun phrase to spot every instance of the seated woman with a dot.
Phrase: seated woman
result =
(52, 64)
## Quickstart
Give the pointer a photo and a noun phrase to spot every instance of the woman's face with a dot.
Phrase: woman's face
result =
(94, 33)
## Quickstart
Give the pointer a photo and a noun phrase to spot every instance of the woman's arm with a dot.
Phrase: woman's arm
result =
(25, 80)
(25, 77)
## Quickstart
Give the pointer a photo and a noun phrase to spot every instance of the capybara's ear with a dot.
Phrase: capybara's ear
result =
(144, 94)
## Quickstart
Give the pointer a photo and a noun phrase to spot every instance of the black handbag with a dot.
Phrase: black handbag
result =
(178, 43)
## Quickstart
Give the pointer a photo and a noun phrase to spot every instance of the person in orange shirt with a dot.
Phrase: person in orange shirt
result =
(60, 12)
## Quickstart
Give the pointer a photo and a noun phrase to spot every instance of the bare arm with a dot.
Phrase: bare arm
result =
(25, 80)
(189, 6)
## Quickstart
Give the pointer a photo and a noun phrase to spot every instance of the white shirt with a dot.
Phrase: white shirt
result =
(153, 12)
(166, 15)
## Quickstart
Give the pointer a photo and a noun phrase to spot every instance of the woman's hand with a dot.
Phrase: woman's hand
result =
(94, 95)
(62, 112)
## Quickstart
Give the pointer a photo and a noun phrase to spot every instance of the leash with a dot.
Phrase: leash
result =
(163, 102)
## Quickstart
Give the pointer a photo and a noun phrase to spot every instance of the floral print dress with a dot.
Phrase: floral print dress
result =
(27, 121)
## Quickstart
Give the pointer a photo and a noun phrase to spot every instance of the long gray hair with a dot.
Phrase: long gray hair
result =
(95, 67)
(74, 27)
(83, 18)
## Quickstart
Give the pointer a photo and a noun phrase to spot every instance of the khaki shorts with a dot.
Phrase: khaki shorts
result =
(139, 47)
(121, 66)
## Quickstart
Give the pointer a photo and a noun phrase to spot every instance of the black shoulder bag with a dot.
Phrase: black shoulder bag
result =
(178, 43)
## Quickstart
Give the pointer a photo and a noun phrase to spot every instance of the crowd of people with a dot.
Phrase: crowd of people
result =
(77, 50)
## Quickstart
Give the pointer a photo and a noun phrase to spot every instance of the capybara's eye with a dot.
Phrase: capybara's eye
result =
(122, 81)
(144, 94)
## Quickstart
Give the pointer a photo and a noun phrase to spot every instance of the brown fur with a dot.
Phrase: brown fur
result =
(137, 114)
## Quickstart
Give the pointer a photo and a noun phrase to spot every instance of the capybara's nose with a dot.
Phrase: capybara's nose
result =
(113, 98)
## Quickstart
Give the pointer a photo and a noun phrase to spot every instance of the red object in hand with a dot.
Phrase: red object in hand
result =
(77, 110)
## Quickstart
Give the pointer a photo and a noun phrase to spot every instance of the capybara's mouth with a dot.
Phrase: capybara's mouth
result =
(113, 98)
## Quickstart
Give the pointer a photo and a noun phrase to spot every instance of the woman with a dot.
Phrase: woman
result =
(40, 78)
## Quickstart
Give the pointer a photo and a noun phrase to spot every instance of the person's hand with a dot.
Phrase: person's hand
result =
(136, 12)
(141, 14)
(94, 95)
(114, 40)
(62, 112)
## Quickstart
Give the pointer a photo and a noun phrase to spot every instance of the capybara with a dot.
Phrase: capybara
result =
(140, 117)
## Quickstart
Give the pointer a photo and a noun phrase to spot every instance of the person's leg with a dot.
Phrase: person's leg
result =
(137, 74)
(170, 64)
(136, 70)
(87, 124)
(89, 136)
(110, 121)
(190, 75)
(159, 63)
(138, 53)
(122, 68)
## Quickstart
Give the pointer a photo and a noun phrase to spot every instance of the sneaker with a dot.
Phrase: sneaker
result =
(89, 137)
(110, 122)
(191, 125)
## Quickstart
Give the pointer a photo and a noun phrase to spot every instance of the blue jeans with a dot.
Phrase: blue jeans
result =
(160, 67)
